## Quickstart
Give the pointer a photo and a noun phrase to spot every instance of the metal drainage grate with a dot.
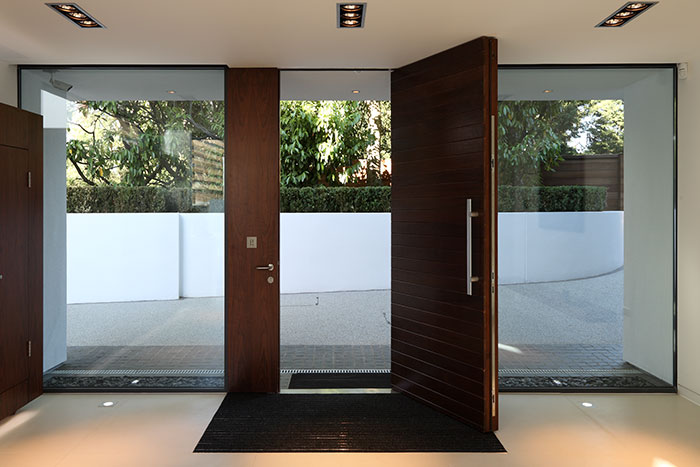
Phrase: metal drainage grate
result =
(287, 371)
(178, 372)
(568, 371)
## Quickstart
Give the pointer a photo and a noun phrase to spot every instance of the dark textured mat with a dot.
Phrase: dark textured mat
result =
(339, 380)
(337, 423)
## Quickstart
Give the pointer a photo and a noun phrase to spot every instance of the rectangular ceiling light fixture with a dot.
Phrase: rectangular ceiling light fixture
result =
(76, 15)
(624, 15)
(351, 15)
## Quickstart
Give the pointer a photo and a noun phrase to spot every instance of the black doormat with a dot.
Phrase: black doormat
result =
(339, 380)
(337, 423)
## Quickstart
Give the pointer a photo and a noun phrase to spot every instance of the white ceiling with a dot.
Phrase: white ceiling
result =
(302, 34)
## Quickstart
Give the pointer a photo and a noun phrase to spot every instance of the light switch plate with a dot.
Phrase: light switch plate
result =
(251, 242)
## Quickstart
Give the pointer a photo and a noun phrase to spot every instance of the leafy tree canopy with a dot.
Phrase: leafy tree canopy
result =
(139, 143)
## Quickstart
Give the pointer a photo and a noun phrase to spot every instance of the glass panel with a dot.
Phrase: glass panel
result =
(586, 197)
(133, 227)
(335, 229)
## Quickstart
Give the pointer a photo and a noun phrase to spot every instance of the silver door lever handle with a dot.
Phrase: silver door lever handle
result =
(269, 267)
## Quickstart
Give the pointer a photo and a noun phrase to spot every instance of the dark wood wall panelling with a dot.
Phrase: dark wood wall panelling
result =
(252, 209)
(441, 122)
(21, 258)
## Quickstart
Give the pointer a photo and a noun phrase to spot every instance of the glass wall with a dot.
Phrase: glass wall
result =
(586, 228)
(134, 230)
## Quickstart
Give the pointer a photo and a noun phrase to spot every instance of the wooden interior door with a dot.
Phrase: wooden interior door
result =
(443, 297)
(252, 187)
(14, 225)
(21, 297)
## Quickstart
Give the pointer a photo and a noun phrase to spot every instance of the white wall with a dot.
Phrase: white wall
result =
(123, 257)
(334, 251)
(8, 84)
(649, 224)
(689, 231)
(554, 246)
(202, 255)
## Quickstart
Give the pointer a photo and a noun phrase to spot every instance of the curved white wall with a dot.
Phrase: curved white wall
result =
(555, 246)
(130, 257)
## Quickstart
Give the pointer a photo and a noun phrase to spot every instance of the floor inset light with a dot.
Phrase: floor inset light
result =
(76, 15)
(587, 404)
(625, 14)
(351, 15)
(108, 404)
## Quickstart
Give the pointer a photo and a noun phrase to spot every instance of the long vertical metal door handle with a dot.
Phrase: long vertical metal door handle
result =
(470, 276)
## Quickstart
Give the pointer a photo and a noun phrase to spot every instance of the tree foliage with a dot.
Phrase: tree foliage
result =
(604, 125)
(326, 142)
(140, 143)
(533, 135)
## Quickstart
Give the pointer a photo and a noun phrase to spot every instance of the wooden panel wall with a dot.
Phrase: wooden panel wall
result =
(252, 210)
(597, 170)
(441, 337)
(21, 132)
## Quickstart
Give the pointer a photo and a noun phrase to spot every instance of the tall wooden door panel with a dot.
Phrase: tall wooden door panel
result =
(14, 225)
(443, 340)
(21, 233)
(252, 230)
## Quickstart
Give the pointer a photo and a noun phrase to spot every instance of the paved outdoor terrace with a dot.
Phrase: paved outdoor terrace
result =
(546, 331)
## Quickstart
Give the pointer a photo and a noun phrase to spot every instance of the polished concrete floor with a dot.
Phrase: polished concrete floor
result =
(155, 430)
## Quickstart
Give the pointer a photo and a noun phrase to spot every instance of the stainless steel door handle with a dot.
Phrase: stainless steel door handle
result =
(470, 278)
(269, 267)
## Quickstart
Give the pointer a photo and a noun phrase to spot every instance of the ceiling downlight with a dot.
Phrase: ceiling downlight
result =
(625, 14)
(76, 15)
(351, 15)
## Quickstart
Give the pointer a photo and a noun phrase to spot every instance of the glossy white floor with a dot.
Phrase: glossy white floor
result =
(537, 430)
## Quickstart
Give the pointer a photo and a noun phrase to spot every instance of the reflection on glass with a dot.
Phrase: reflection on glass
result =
(143, 182)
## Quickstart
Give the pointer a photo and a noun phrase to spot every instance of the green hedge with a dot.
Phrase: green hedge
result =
(336, 199)
(128, 199)
(333, 199)
(551, 198)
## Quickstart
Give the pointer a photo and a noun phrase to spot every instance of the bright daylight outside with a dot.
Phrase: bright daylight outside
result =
(145, 239)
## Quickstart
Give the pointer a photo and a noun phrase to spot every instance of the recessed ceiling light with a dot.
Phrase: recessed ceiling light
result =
(171, 91)
(355, 91)
(587, 404)
(108, 404)
(548, 91)
(351, 15)
(625, 14)
(76, 14)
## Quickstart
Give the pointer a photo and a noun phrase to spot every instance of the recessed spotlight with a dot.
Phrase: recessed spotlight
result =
(625, 14)
(355, 91)
(76, 14)
(548, 91)
(351, 15)
(587, 404)
(638, 6)
(171, 91)
(108, 404)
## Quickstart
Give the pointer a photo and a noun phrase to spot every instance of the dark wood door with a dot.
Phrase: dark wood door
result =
(443, 339)
(14, 228)
(21, 248)
(252, 230)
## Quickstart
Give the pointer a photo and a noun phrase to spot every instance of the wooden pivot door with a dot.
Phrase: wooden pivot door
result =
(252, 187)
(21, 298)
(443, 221)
